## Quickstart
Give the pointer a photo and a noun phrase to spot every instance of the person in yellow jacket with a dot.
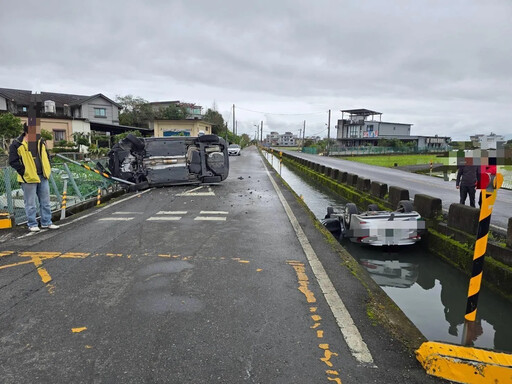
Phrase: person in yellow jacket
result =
(33, 175)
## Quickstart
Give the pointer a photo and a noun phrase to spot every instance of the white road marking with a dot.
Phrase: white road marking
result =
(213, 213)
(193, 192)
(116, 219)
(127, 213)
(171, 213)
(210, 218)
(92, 213)
(348, 329)
(164, 218)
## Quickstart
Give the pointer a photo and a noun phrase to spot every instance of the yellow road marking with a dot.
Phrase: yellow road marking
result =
(327, 354)
(74, 255)
(15, 264)
(45, 276)
(78, 330)
(303, 281)
(37, 259)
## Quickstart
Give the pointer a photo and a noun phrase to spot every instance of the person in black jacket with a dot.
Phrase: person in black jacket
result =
(466, 182)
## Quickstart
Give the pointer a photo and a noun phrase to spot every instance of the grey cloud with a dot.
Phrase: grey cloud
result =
(408, 59)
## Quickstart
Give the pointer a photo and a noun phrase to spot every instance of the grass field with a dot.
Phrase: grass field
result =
(390, 160)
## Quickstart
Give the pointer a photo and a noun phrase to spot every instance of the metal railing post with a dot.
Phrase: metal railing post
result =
(8, 189)
(72, 181)
(55, 189)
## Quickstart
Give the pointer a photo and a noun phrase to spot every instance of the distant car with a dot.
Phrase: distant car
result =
(234, 150)
(162, 161)
(376, 227)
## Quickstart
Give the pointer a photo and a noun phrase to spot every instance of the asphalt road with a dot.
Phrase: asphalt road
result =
(188, 285)
(416, 183)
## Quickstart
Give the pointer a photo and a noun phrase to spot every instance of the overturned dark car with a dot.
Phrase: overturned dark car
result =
(162, 161)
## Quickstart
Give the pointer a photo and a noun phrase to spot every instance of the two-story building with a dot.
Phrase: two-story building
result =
(361, 127)
(65, 114)
(486, 141)
(286, 139)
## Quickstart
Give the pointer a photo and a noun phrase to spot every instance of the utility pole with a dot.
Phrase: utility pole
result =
(233, 118)
(328, 131)
(300, 136)
(261, 131)
(304, 133)
(236, 128)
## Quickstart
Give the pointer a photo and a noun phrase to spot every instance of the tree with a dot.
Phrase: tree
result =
(216, 120)
(46, 135)
(135, 111)
(245, 140)
(173, 112)
(121, 136)
(10, 127)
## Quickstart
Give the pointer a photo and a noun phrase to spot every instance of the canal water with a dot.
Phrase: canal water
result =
(429, 291)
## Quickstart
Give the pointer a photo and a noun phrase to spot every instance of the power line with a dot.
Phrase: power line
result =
(282, 114)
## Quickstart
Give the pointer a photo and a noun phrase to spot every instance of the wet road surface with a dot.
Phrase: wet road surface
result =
(188, 284)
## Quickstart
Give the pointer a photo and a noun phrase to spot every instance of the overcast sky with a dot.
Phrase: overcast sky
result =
(443, 66)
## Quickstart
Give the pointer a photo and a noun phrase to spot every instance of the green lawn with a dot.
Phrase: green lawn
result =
(390, 160)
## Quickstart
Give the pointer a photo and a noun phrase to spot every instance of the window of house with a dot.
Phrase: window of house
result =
(59, 135)
(100, 112)
(24, 109)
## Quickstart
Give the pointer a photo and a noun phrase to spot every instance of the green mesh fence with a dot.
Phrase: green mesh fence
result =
(81, 185)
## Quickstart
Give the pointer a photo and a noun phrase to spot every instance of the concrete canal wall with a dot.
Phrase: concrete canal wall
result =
(451, 237)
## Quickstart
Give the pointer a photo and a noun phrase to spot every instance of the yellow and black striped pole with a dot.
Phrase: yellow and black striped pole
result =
(105, 175)
(64, 198)
(488, 199)
(98, 200)
(280, 161)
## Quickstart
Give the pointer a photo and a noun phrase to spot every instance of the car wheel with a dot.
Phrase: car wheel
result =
(350, 209)
(373, 207)
(137, 144)
(405, 206)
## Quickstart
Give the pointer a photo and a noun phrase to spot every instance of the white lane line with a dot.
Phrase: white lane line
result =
(213, 213)
(105, 207)
(193, 192)
(92, 213)
(171, 213)
(210, 218)
(348, 329)
(116, 219)
(164, 218)
(127, 213)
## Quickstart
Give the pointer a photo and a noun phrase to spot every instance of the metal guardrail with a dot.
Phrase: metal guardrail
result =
(81, 185)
